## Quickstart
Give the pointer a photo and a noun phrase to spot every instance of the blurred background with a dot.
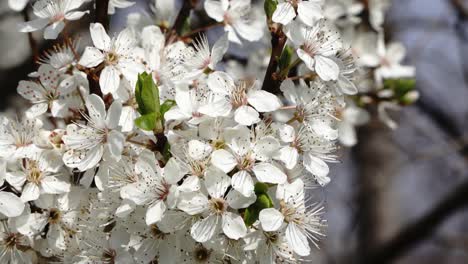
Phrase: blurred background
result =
(391, 179)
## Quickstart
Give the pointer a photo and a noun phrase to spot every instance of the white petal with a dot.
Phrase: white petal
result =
(249, 31)
(242, 182)
(190, 184)
(37, 110)
(30, 91)
(216, 108)
(30, 192)
(99, 36)
(92, 57)
(284, 13)
(173, 172)
(49, 76)
(265, 148)
(266, 172)
(75, 15)
(96, 110)
(233, 226)
(113, 115)
(33, 25)
(17, 5)
(192, 203)
(83, 160)
(199, 150)
(308, 60)
(219, 49)
(204, 229)
(220, 82)
(135, 193)
(237, 201)
(155, 212)
(326, 68)
(223, 160)
(214, 9)
(10, 204)
(318, 167)
(347, 134)
(263, 101)
(289, 156)
(246, 115)
(286, 133)
(52, 31)
(216, 182)
(309, 12)
(54, 185)
(109, 80)
(271, 219)
(297, 240)
(115, 142)
(346, 86)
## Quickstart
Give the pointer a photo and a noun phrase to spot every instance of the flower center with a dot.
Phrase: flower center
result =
(54, 216)
(217, 205)
(156, 232)
(34, 174)
(201, 254)
(112, 58)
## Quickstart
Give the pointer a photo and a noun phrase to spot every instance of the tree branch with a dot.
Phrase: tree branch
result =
(420, 229)
(101, 15)
(272, 82)
(184, 13)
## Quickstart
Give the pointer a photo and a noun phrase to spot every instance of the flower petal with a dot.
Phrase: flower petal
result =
(266, 172)
(271, 219)
(284, 13)
(233, 226)
(10, 204)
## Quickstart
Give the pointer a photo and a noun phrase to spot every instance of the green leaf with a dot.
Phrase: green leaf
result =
(263, 201)
(260, 188)
(285, 59)
(400, 87)
(148, 121)
(270, 7)
(147, 94)
(184, 28)
(166, 106)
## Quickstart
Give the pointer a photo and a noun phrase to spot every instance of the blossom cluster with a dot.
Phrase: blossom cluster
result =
(154, 146)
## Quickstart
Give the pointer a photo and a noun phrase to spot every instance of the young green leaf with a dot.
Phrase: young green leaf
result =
(147, 94)
(285, 58)
(148, 121)
(270, 7)
(166, 106)
(263, 201)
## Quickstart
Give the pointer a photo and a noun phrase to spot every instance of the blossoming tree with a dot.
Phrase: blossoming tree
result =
(187, 137)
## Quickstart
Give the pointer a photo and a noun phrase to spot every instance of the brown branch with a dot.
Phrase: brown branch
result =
(184, 13)
(420, 229)
(101, 15)
(272, 82)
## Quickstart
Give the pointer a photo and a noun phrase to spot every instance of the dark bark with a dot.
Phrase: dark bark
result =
(101, 13)
(272, 82)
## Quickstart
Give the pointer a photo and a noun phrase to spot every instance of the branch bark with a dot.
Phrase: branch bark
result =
(420, 229)
(184, 13)
(272, 82)
(101, 16)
